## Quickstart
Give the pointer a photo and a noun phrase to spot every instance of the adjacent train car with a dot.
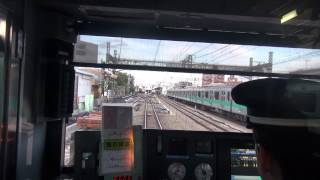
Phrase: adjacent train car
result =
(217, 98)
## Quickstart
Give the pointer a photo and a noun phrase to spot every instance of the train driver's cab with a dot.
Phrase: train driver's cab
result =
(163, 90)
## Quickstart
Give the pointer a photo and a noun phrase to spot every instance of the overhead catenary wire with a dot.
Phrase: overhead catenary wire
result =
(238, 54)
(225, 53)
(298, 57)
(213, 52)
(202, 49)
(291, 56)
(186, 50)
(177, 56)
(182, 50)
(184, 47)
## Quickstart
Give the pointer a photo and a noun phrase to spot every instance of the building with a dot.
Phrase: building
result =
(85, 52)
(88, 82)
(182, 84)
(209, 79)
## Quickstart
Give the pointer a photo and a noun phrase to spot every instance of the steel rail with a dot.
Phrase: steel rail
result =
(156, 115)
(145, 114)
(190, 110)
(182, 108)
(192, 118)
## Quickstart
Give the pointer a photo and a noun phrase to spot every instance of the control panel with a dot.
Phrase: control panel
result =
(178, 155)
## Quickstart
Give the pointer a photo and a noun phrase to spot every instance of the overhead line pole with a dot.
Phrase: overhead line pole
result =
(155, 56)
(120, 47)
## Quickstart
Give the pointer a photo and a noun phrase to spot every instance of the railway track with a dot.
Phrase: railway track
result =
(151, 118)
(202, 119)
(226, 125)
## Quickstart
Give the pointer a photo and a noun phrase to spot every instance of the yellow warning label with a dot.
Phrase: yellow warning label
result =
(116, 144)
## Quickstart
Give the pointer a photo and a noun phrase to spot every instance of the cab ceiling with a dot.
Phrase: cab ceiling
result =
(253, 22)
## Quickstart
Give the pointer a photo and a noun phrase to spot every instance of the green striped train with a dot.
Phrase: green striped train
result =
(217, 98)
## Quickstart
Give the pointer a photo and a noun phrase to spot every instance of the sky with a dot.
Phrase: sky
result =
(152, 79)
(284, 59)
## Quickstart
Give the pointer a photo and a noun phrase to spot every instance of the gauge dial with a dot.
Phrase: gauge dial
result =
(176, 171)
(203, 171)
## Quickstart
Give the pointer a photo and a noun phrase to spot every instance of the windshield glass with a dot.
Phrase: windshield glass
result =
(196, 55)
(172, 100)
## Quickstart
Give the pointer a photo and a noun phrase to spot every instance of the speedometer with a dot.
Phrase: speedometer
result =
(176, 171)
(203, 171)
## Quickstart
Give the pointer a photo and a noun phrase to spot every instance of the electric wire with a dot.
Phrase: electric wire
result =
(298, 57)
(213, 52)
(238, 54)
(202, 49)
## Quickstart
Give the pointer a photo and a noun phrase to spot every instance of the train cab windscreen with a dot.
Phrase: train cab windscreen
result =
(192, 127)
(160, 89)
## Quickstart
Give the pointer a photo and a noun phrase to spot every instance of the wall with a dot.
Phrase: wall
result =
(39, 138)
(84, 87)
(32, 128)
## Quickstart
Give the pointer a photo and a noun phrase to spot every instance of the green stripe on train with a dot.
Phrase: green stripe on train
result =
(209, 102)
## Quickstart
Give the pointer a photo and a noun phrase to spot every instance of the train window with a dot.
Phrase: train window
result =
(207, 94)
(228, 96)
(211, 94)
(199, 95)
(216, 95)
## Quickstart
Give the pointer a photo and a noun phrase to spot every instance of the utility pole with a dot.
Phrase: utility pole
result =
(251, 65)
(108, 52)
(120, 48)
(270, 61)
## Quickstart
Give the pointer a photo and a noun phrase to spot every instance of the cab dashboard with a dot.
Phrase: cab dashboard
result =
(175, 155)
(198, 155)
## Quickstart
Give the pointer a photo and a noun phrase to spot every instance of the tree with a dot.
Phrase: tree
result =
(131, 85)
(122, 79)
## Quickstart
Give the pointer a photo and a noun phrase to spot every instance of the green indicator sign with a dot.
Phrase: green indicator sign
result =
(116, 144)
